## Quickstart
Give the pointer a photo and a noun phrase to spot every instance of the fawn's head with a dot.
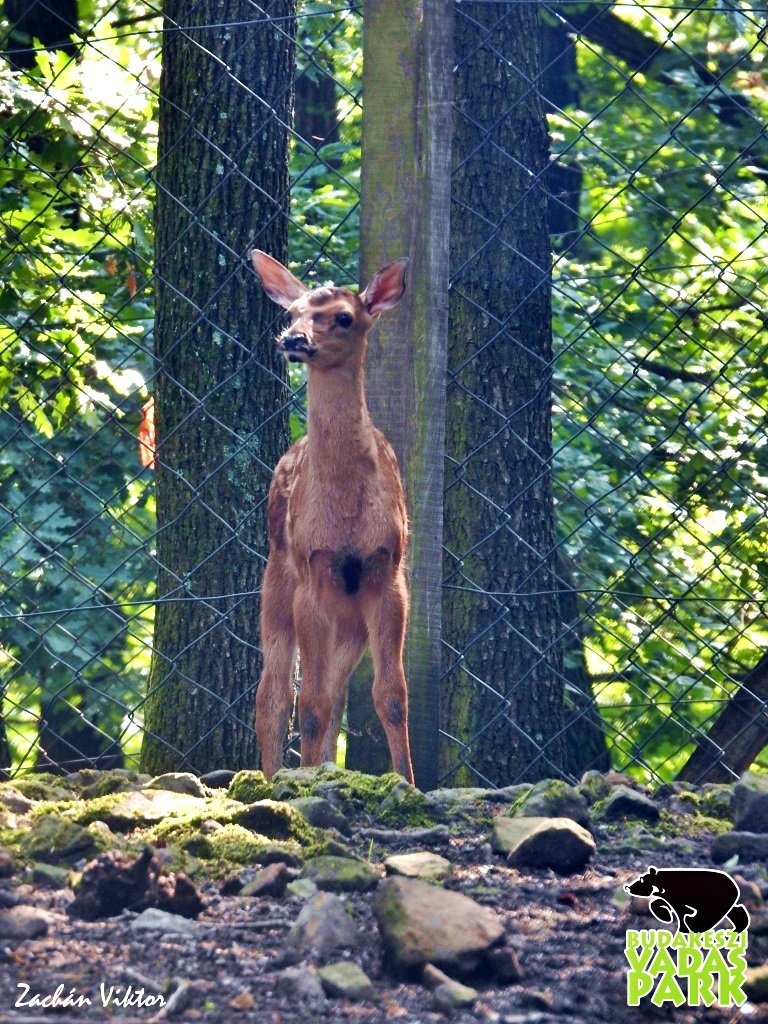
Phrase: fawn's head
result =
(328, 326)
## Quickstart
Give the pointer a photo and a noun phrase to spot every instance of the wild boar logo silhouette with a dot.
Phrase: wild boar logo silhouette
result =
(698, 898)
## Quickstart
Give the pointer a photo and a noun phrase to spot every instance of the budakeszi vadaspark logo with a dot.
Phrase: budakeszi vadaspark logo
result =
(700, 963)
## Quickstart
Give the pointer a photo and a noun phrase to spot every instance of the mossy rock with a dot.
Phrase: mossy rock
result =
(387, 798)
(691, 826)
(178, 782)
(124, 812)
(231, 842)
(289, 783)
(52, 839)
(44, 786)
(250, 786)
(232, 846)
(107, 783)
(553, 798)
(340, 874)
(276, 820)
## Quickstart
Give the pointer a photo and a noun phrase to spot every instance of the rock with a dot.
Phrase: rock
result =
(274, 819)
(504, 965)
(50, 876)
(431, 867)
(96, 784)
(270, 881)
(447, 802)
(624, 802)
(7, 864)
(53, 839)
(558, 843)
(220, 778)
(250, 786)
(346, 980)
(302, 888)
(155, 920)
(178, 782)
(456, 796)
(756, 984)
(126, 811)
(749, 803)
(552, 798)
(420, 924)
(294, 782)
(594, 786)
(14, 801)
(402, 802)
(22, 922)
(321, 813)
(448, 994)
(300, 983)
(323, 925)
(747, 846)
(340, 874)
(243, 1001)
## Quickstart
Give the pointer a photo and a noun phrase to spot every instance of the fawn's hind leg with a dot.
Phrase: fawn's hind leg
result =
(274, 697)
(386, 617)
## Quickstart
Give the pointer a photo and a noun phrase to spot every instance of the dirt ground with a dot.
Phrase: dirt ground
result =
(570, 935)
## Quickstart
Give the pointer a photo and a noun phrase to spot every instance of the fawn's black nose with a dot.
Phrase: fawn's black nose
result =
(296, 347)
(293, 342)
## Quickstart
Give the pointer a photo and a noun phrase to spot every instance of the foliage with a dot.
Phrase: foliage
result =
(75, 356)
(661, 465)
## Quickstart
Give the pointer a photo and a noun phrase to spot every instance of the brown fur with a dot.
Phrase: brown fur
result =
(335, 579)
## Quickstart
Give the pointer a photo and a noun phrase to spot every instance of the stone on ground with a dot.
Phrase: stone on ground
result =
(557, 843)
(323, 925)
(430, 867)
(421, 923)
(346, 980)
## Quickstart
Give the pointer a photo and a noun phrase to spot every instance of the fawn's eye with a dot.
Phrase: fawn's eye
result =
(344, 319)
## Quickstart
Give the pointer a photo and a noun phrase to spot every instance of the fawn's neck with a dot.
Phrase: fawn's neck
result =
(339, 426)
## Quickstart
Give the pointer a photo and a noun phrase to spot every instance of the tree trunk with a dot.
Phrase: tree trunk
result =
(503, 691)
(406, 168)
(737, 736)
(222, 184)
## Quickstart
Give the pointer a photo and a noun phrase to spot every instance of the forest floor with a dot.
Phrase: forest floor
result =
(569, 934)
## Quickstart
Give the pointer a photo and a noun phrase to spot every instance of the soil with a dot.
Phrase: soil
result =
(569, 933)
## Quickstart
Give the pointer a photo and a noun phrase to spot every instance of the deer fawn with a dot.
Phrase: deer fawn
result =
(338, 529)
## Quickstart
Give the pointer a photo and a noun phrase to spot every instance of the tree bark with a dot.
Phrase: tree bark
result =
(407, 168)
(222, 186)
(503, 690)
(737, 736)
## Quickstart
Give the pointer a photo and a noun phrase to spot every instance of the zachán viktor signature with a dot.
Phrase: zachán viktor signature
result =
(109, 995)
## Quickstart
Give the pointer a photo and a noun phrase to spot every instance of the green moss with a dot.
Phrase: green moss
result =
(690, 826)
(249, 786)
(108, 783)
(43, 786)
(52, 839)
(714, 801)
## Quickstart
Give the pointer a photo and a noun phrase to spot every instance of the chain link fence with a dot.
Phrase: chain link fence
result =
(604, 541)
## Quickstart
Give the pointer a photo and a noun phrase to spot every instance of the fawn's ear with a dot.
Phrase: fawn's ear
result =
(386, 288)
(279, 284)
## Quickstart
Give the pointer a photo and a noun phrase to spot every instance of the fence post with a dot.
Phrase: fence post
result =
(407, 89)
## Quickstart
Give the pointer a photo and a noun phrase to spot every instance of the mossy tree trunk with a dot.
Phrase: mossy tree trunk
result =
(503, 689)
(220, 392)
(405, 212)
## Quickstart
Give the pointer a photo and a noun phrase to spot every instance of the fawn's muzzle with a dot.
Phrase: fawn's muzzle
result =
(294, 346)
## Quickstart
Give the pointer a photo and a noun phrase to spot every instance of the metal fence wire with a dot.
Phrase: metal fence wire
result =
(605, 533)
